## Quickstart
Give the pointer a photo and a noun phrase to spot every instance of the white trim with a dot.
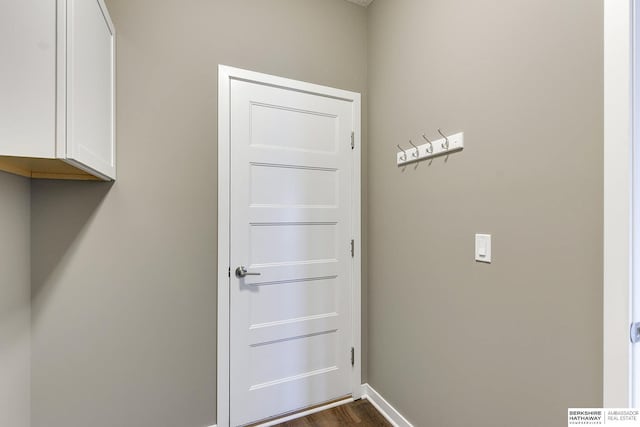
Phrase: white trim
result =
(224, 170)
(114, 143)
(634, 399)
(225, 74)
(356, 303)
(617, 203)
(389, 412)
(61, 80)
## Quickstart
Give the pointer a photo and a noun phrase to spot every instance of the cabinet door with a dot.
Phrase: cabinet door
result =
(90, 86)
(27, 78)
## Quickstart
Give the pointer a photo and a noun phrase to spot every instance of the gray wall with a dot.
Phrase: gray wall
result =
(124, 275)
(453, 342)
(15, 345)
(123, 286)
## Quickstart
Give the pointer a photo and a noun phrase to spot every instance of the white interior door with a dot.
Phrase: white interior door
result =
(290, 228)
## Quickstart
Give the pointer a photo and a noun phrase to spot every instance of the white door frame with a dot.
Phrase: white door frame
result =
(618, 57)
(225, 75)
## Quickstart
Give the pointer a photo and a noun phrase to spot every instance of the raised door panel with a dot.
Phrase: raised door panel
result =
(28, 78)
(90, 87)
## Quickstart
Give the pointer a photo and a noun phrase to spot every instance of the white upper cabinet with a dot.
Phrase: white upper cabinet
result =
(57, 89)
(28, 78)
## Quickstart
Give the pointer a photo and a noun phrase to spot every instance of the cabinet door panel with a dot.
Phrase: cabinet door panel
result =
(27, 78)
(90, 86)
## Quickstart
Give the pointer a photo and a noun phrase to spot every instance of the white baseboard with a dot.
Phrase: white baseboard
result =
(384, 407)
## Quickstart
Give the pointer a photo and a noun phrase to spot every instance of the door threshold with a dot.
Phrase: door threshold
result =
(288, 416)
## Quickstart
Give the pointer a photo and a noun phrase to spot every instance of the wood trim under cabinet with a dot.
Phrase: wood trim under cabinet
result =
(43, 169)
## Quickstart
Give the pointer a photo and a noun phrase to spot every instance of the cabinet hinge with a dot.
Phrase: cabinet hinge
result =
(353, 140)
(353, 251)
(353, 356)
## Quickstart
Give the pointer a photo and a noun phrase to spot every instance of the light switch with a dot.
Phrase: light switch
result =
(483, 247)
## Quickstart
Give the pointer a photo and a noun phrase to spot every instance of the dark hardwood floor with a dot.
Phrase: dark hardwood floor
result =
(359, 413)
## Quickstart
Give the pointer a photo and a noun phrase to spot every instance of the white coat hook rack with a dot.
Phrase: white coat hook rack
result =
(439, 147)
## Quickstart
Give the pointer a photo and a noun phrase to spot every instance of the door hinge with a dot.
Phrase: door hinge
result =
(634, 332)
(353, 140)
(229, 272)
(353, 251)
(353, 356)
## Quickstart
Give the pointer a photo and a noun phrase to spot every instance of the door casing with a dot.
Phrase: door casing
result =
(618, 189)
(225, 75)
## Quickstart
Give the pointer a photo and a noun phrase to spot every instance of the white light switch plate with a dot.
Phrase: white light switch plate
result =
(483, 248)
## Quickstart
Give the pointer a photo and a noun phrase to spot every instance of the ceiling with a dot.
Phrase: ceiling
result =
(364, 3)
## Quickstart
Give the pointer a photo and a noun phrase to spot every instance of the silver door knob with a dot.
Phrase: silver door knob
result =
(242, 272)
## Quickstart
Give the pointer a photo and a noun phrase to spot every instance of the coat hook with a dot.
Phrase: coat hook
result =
(430, 149)
(415, 154)
(404, 155)
(446, 144)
